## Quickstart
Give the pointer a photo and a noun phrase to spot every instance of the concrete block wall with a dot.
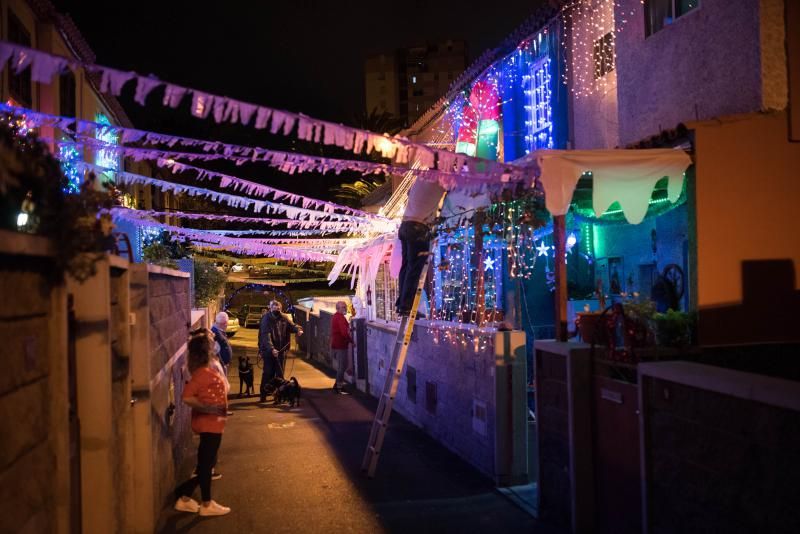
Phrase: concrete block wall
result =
(461, 377)
(168, 300)
(720, 450)
(34, 451)
(552, 415)
(564, 421)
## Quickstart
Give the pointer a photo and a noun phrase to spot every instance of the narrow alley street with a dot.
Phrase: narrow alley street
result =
(298, 470)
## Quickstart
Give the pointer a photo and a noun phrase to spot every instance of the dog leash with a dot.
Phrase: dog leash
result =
(278, 360)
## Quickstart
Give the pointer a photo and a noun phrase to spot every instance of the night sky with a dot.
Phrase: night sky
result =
(304, 56)
(299, 55)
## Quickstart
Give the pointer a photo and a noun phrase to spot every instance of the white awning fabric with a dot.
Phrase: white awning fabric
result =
(624, 176)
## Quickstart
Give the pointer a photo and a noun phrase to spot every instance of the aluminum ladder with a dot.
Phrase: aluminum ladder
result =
(395, 371)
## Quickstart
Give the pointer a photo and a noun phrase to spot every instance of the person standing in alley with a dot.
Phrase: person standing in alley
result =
(225, 352)
(341, 341)
(414, 233)
(273, 342)
(206, 394)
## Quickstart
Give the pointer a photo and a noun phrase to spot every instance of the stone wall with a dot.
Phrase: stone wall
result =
(168, 298)
(720, 450)
(443, 387)
(34, 463)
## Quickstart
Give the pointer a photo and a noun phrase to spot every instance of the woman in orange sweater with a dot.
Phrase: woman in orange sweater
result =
(206, 393)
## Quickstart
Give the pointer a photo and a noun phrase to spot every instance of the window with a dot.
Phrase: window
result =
(107, 158)
(660, 13)
(155, 198)
(413, 79)
(603, 55)
(385, 294)
(19, 85)
(539, 124)
(66, 94)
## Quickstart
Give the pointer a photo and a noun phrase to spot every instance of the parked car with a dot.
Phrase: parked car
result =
(254, 314)
(233, 325)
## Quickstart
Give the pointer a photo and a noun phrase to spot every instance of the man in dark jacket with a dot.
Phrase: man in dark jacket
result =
(273, 342)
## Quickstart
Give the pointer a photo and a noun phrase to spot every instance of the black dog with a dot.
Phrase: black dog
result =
(245, 376)
(289, 392)
(271, 387)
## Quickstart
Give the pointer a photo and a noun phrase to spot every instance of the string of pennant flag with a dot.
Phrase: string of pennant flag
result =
(235, 201)
(87, 132)
(238, 245)
(327, 226)
(44, 67)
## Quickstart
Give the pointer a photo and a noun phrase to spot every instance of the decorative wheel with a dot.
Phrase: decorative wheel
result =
(673, 274)
(669, 288)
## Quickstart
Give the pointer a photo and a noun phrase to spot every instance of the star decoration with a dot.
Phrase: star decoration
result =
(542, 248)
(488, 263)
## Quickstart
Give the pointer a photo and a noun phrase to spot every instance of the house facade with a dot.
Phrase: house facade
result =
(707, 77)
(39, 25)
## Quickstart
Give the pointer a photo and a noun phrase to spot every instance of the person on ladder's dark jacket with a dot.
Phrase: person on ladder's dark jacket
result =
(415, 236)
(273, 342)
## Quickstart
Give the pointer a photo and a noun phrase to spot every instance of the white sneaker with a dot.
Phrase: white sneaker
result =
(189, 505)
(213, 509)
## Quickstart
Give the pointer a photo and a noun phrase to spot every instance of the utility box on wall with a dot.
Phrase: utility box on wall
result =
(511, 424)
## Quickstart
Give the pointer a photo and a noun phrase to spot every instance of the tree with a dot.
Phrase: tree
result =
(163, 250)
(383, 122)
(208, 282)
(352, 194)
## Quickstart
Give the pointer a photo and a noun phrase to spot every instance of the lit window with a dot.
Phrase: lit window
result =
(540, 117)
(108, 159)
(413, 79)
(603, 55)
(660, 13)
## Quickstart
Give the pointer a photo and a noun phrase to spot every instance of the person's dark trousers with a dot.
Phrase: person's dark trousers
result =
(280, 365)
(272, 367)
(268, 374)
(415, 238)
(206, 459)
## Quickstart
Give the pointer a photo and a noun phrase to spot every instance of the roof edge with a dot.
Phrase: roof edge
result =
(540, 18)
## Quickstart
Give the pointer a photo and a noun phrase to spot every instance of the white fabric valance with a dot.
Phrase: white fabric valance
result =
(624, 176)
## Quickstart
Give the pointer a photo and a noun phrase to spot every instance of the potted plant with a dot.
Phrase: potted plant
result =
(674, 328)
(639, 315)
(591, 324)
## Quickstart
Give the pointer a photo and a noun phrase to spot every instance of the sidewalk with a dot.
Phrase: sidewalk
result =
(298, 470)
